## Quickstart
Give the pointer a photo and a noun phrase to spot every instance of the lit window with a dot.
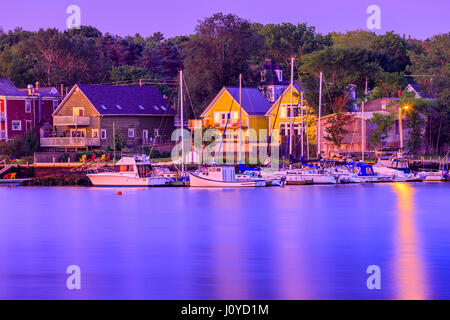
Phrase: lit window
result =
(103, 134)
(130, 133)
(27, 106)
(235, 116)
(16, 125)
(282, 112)
(216, 117)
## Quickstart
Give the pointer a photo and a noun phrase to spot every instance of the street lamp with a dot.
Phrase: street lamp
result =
(406, 107)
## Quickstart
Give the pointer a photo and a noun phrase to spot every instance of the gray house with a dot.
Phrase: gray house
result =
(89, 115)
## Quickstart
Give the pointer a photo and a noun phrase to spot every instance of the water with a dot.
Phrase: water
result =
(297, 242)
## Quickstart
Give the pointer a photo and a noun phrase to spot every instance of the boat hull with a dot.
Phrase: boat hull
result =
(197, 181)
(99, 180)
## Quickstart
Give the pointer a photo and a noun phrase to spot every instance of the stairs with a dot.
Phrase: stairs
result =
(5, 168)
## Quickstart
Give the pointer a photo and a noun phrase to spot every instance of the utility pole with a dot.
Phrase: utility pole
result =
(303, 127)
(320, 113)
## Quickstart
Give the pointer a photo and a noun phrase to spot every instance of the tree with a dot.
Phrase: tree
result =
(382, 124)
(221, 48)
(335, 128)
(119, 143)
(126, 72)
(286, 40)
(32, 142)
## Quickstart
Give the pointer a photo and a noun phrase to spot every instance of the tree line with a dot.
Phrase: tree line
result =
(225, 45)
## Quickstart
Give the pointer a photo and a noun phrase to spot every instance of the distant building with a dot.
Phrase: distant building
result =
(23, 109)
(89, 115)
(352, 139)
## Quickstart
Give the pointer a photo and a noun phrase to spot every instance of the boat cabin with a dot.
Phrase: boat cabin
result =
(397, 164)
(224, 173)
(361, 169)
(134, 165)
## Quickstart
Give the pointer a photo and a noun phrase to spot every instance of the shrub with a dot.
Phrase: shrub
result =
(155, 154)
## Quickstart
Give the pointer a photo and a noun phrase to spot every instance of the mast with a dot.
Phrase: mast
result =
(301, 106)
(320, 112)
(182, 124)
(240, 116)
(292, 111)
(363, 135)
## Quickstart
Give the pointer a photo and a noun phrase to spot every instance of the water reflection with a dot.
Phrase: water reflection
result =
(409, 267)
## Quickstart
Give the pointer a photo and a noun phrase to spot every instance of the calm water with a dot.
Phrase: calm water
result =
(297, 242)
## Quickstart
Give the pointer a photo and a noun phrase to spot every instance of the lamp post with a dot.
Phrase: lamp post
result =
(400, 126)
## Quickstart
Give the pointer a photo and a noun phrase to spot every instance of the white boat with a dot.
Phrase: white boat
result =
(261, 181)
(301, 176)
(129, 172)
(343, 175)
(398, 169)
(220, 177)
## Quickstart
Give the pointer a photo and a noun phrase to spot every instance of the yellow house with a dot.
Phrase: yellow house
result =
(246, 112)
(280, 112)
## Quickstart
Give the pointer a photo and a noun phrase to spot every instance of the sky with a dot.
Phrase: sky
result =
(418, 18)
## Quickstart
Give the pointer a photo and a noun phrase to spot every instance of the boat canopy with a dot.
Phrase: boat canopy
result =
(243, 167)
(364, 169)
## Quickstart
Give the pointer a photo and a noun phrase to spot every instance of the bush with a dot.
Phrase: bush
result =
(166, 154)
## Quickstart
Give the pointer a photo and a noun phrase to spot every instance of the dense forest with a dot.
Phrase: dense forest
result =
(223, 46)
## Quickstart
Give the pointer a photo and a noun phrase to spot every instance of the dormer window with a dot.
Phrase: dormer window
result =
(279, 74)
(263, 76)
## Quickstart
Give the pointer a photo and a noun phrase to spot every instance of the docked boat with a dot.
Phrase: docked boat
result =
(366, 174)
(398, 169)
(128, 172)
(343, 175)
(221, 177)
(302, 176)
(246, 173)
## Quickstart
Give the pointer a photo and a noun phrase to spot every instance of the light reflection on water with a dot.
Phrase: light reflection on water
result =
(299, 242)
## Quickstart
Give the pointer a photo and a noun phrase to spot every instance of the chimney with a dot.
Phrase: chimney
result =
(30, 89)
(37, 86)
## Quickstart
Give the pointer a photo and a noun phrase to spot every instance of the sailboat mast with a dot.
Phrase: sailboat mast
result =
(182, 123)
(363, 135)
(240, 116)
(292, 110)
(301, 106)
(320, 113)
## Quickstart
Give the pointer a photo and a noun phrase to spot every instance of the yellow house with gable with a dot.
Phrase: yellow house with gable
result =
(233, 111)
(279, 114)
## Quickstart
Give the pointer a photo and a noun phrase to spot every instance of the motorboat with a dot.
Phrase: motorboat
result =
(133, 171)
(255, 173)
(221, 177)
(366, 174)
(398, 168)
(302, 176)
(343, 175)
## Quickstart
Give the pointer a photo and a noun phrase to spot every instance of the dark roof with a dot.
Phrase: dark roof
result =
(7, 87)
(253, 101)
(132, 100)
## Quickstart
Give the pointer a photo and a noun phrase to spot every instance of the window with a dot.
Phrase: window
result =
(216, 117)
(94, 133)
(103, 134)
(282, 112)
(164, 108)
(78, 112)
(156, 133)
(145, 134)
(235, 117)
(17, 125)
(103, 107)
(156, 108)
(263, 76)
(55, 104)
(27, 106)
(118, 107)
(130, 133)
(141, 107)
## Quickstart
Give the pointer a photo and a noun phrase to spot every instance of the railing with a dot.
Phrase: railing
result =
(70, 142)
(71, 121)
(2, 135)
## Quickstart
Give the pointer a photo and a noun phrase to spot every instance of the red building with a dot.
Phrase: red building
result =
(23, 109)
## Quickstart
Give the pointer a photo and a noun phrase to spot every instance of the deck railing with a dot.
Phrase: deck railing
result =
(70, 142)
(71, 121)
(2, 135)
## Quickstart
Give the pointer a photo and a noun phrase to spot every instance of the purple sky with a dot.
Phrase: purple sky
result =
(418, 18)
